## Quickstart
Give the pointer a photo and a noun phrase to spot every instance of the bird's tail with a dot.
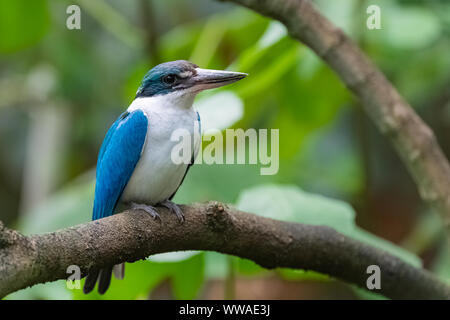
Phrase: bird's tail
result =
(103, 276)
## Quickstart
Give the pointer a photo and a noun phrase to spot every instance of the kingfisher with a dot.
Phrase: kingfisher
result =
(134, 165)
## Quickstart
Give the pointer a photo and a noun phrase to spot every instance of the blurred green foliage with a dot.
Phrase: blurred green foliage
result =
(18, 33)
(96, 72)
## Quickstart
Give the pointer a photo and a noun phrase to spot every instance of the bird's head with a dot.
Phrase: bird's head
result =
(184, 77)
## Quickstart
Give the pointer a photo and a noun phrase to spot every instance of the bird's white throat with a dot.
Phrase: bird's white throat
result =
(182, 99)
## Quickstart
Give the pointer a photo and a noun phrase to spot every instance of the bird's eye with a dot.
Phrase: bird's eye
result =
(169, 79)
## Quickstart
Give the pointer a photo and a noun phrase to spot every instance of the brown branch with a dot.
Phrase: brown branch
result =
(414, 141)
(133, 235)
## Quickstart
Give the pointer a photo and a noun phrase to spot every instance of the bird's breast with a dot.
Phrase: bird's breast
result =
(156, 177)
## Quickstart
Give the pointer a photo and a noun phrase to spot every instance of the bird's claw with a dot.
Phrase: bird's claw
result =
(174, 208)
(147, 208)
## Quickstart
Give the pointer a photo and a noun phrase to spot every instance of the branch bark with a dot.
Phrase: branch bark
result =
(134, 235)
(414, 141)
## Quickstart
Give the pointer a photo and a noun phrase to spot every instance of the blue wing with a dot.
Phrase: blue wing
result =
(118, 156)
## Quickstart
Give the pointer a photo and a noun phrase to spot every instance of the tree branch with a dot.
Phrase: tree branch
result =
(412, 138)
(134, 235)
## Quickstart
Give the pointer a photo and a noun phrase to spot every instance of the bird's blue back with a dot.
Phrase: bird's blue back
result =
(118, 156)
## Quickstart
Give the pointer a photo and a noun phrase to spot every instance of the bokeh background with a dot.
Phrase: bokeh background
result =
(61, 89)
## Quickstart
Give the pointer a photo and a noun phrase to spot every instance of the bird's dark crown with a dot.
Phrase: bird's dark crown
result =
(167, 77)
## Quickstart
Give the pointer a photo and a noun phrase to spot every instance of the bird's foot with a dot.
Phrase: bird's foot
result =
(174, 208)
(147, 208)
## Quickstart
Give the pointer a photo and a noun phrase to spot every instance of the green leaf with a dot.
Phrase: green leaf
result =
(341, 13)
(22, 23)
(219, 110)
(290, 203)
(49, 291)
(247, 267)
(366, 294)
(274, 32)
(400, 21)
(215, 265)
(219, 182)
(405, 27)
(266, 77)
(70, 206)
(188, 277)
(441, 265)
(296, 274)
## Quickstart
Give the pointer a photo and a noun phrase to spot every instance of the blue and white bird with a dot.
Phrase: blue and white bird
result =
(134, 166)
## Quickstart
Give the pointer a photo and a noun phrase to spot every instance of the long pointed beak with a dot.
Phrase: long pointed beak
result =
(208, 79)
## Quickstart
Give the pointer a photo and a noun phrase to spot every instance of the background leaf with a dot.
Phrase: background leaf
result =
(19, 33)
(290, 203)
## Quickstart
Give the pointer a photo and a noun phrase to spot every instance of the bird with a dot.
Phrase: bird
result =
(134, 167)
